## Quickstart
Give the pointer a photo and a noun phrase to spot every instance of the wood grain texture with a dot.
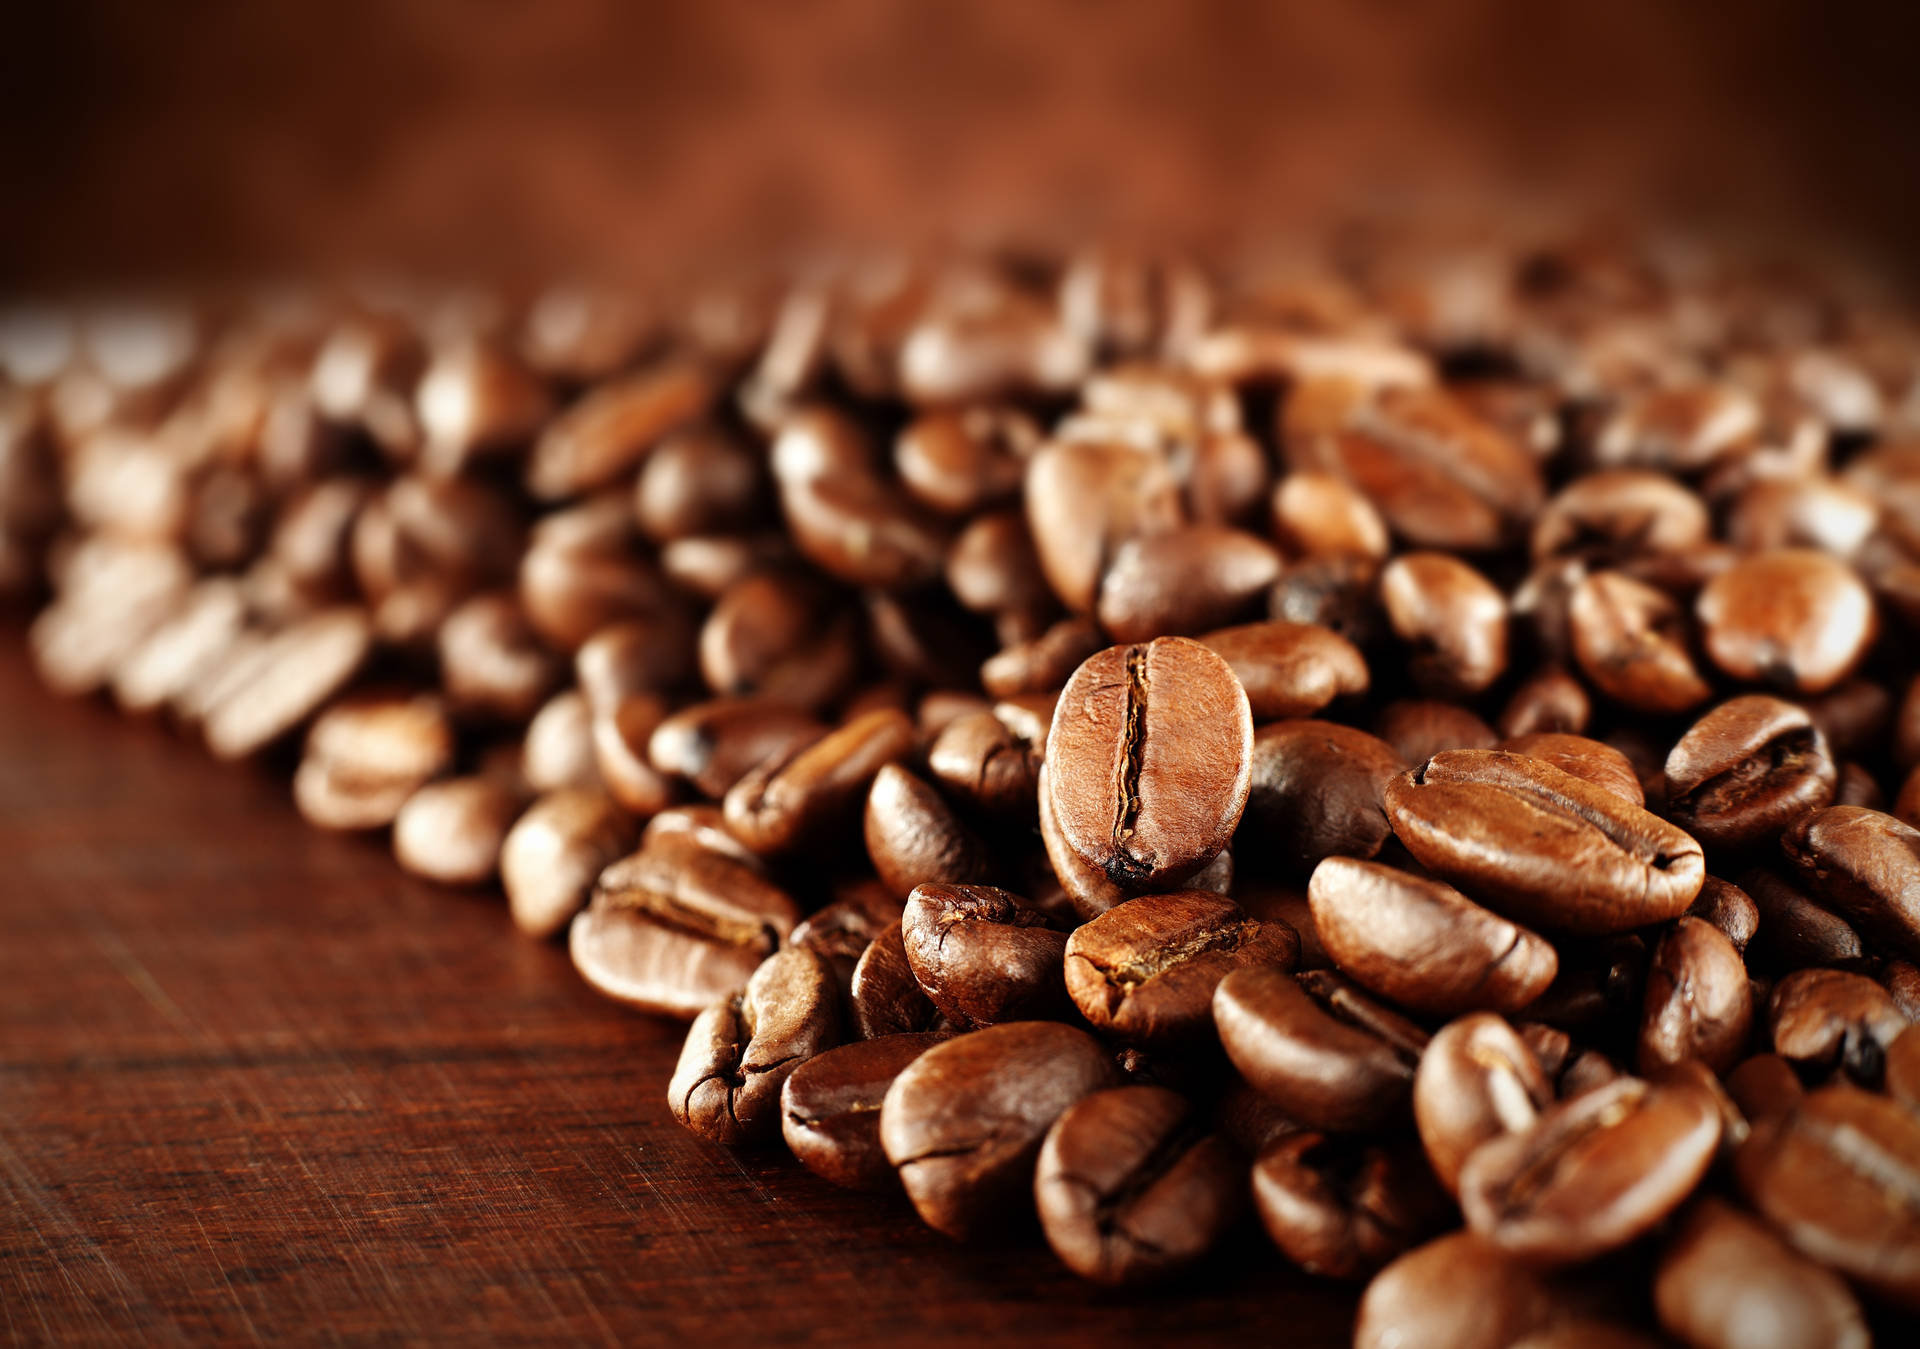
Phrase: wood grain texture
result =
(257, 1085)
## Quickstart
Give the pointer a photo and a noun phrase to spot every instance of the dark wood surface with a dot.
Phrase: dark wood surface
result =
(256, 1084)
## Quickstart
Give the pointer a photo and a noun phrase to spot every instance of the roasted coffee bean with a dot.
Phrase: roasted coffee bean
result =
(964, 1122)
(780, 639)
(1838, 1175)
(1855, 787)
(884, 996)
(1729, 908)
(704, 826)
(1593, 1173)
(613, 428)
(286, 680)
(1084, 501)
(982, 955)
(553, 854)
(1726, 1282)
(699, 481)
(1906, 806)
(992, 568)
(620, 735)
(1130, 1188)
(675, 928)
(1320, 515)
(1697, 1003)
(1290, 669)
(915, 839)
(1459, 1290)
(1148, 760)
(1418, 729)
(715, 743)
(707, 564)
(1796, 620)
(1746, 771)
(581, 572)
(1630, 640)
(958, 461)
(451, 831)
(1825, 1021)
(982, 763)
(1901, 979)
(1337, 593)
(1543, 845)
(804, 797)
(1145, 971)
(1866, 866)
(492, 664)
(1330, 1057)
(1184, 580)
(1316, 789)
(740, 1052)
(1615, 514)
(830, 1107)
(639, 656)
(1477, 1080)
(1794, 930)
(1588, 1072)
(558, 749)
(187, 650)
(1044, 663)
(1764, 1086)
(1422, 944)
(1342, 1209)
(841, 932)
(1089, 891)
(425, 544)
(846, 519)
(367, 755)
(1591, 760)
(1452, 618)
(1548, 702)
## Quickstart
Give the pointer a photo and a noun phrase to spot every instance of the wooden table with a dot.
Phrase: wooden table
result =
(256, 1084)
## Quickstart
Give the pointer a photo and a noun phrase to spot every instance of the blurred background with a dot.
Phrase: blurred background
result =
(490, 137)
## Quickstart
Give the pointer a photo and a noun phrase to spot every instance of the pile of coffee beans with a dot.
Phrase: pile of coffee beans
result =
(1418, 748)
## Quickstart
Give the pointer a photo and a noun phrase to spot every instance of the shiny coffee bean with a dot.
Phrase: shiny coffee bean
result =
(613, 428)
(1478, 1079)
(558, 749)
(840, 932)
(992, 568)
(1329, 1056)
(1458, 1290)
(1548, 702)
(1615, 514)
(984, 765)
(830, 1107)
(581, 571)
(638, 656)
(983, 956)
(286, 680)
(914, 838)
(1084, 501)
(1148, 760)
(1341, 1209)
(1044, 663)
(956, 462)
(1697, 1001)
(1725, 1281)
(715, 743)
(1145, 971)
(365, 756)
(1826, 1021)
(964, 1122)
(1290, 669)
(1865, 865)
(620, 735)
(1452, 618)
(492, 663)
(779, 638)
(553, 854)
(739, 1053)
(452, 831)
(883, 996)
(1088, 891)
(1747, 770)
(1794, 619)
(1131, 1188)
(804, 798)
(1903, 1072)
(1316, 789)
(1184, 580)
(1320, 515)
(1591, 760)
(699, 481)
(1422, 944)
(1631, 642)
(1593, 1173)
(1729, 908)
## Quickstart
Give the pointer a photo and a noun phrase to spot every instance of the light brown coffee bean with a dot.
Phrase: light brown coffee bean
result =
(1290, 669)
(1794, 619)
(286, 680)
(1726, 1282)
(1320, 515)
(452, 831)
(1591, 760)
(1184, 580)
(1452, 618)
(1083, 501)
(365, 756)
(553, 854)
(700, 481)
(986, 766)
(714, 744)
(1549, 702)
(613, 428)
(1477, 1080)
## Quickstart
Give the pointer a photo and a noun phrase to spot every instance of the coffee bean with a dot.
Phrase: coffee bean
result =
(984, 765)
(1794, 930)
(286, 680)
(803, 798)
(739, 1052)
(699, 481)
(914, 838)
(1458, 1290)
(982, 955)
(1593, 1173)
(1631, 641)
(1866, 866)
(558, 749)
(186, 650)
(1329, 1056)
(830, 1107)
(1547, 703)
(714, 744)
(492, 663)
(1184, 580)
(620, 736)
(845, 518)
(1544, 845)
(648, 655)
(1477, 1080)
(781, 639)
(425, 544)
(1145, 971)
(581, 571)
(477, 401)
(1614, 514)
(674, 929)
(1130, 1188)
(1422, 944)
(1316, 789)
(1838, 1175)
(1901, 979)
(1746, 771)
(452, 831)
(1044, 663)
(701, 825)
(1697, 1004)
(956, 462)
(1418, 729)
(1590, 760)
(1726, 1282)
(840, 932)
(1337, 593)
(1342, 1209)
(1084, 501)
(1764, 1086)
(884, 996)
(1729, 908)
(1903, 1071)
(1794, 619)
(367, 755)
(613, 428)
(964, 1122)
(1320, 515)
(553, 854)
(1452, 618)
(1148, 760)
(1825, 1021)
(1289, 669)
(1088, 890)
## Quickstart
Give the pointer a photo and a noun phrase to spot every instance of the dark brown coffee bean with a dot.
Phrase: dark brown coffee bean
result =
(1593, 1173)
(1825, 1021)
(1148, 760)
(884, 996)
(1084, 501)
(1477, 1080)
(1548, 702)
(1319, 515)
(1630, 640)
(1044, 663)
(1184, 580)
(1418, 729)
(1341, 1209)
(1838, 1176)
(1553, 850)
(1144, 972)
(613, 428)
(1591, 760)
(830, 1107)
(803, 798)
(1615, 514)
(958, 461)
(1316, 789)
(983, 764)
(1794, 930)
(778, 638)
(553, 854)
(984, 956)
(1855, 786)
(1330, 1057)
(286, 680)
(1422, 944)
(714, 744)
(1746, 771)
(739, 1053)
(915, 839)
(845, 518)
(700, 481)
(1728, 908)
(1794, 619)
(674, 929)
(1764, 1086)
(1697, 1004)
(451, 831)
(1726, 1282)
(1131, 1189)
(365, 756)
(992, 568)
(1866, 866)
(1460, 1291)
(1337, 593)
(1452, 618)
(840, 932)
(1290, 669)
(965, 1121)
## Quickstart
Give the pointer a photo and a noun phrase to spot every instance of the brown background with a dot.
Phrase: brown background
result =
(478, 136)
